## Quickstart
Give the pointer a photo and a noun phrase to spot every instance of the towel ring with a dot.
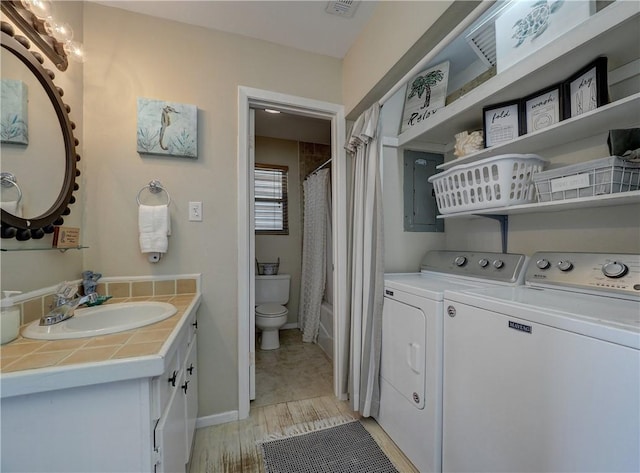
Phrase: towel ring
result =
(154, 187)
(8, 180)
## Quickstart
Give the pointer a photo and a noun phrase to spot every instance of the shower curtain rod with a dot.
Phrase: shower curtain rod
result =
(321, 166)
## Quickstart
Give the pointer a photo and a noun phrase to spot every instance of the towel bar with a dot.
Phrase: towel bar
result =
(154, 187)
(7, 180)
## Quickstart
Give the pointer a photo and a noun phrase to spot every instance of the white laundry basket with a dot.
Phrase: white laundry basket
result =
(498, 181)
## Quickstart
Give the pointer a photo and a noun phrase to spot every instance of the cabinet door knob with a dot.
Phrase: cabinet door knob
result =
(190, 368)
(185, 386)
(173, 378)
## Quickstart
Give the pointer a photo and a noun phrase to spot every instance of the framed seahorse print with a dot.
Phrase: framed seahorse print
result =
(167, 128)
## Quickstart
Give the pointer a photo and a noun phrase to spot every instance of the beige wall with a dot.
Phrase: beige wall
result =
(139, 56)
(286, 247)
(393, 28)
(29, 270)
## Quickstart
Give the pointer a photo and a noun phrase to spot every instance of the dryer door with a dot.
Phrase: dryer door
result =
(403, 350)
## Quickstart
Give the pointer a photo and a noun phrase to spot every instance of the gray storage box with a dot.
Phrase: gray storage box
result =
(598, 177)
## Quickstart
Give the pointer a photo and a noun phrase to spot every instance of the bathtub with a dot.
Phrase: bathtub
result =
(325, 333)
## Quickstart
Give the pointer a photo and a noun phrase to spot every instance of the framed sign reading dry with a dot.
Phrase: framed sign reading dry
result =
(587, 89)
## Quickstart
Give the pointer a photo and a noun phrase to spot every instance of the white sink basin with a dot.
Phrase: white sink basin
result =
(102, 320)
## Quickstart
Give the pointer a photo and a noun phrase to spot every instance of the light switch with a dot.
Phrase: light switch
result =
(195, 211)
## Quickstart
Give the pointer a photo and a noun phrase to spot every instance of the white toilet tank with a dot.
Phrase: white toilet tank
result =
(273, 289)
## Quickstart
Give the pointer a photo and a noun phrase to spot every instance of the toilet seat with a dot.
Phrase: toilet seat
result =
(271, 310)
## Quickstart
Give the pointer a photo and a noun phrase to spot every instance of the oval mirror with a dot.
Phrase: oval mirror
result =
(38, 168)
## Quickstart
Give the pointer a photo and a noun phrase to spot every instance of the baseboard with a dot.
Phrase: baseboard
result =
(216, 419)
(290, 325)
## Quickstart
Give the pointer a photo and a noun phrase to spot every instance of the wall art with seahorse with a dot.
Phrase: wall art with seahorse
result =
(13, 117)
(167, 128)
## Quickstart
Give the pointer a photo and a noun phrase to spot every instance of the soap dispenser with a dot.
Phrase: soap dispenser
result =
(9, 317)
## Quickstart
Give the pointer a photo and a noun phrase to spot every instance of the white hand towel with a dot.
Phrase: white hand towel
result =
(13, 207)
(154, 226)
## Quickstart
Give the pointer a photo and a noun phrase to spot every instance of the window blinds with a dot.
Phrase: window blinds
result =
(270, 187)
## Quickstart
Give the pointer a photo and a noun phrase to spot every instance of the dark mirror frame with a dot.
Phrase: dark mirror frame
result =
(24, 229)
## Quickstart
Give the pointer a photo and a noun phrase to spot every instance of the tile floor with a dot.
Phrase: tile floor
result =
(295, 371)
(294, 390)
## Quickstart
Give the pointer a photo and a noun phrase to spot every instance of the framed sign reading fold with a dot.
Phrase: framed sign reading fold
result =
(501, 123)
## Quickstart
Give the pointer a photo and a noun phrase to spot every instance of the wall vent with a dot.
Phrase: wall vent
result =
(483, 41)
(343, 8)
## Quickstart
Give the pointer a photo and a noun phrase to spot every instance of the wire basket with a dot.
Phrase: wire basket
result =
(498, 181)
(598, 177)
(268, 269)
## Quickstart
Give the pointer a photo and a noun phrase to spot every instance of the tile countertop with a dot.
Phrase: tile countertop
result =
(28, 366)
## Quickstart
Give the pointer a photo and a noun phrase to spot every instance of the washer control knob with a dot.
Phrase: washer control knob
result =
(483, 262)
(614, 269)
(565, 265)
(460, 261)
(498, 264)
(543, 264)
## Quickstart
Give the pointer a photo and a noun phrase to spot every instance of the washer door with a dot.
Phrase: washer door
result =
(404, 332)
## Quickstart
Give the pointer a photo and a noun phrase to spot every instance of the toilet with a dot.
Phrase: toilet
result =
(272, 293)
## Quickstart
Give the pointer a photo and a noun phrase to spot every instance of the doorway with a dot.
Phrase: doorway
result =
(249, 99)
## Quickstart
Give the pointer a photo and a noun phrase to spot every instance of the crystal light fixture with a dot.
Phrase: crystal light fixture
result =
(58, 30)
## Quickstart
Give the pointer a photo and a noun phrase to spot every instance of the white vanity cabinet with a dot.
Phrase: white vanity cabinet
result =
(127, 423)
(173, 434)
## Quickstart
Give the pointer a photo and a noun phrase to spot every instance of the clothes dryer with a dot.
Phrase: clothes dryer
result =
(412, 334)
(545, 377)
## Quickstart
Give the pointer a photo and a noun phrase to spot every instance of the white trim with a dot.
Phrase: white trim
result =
(624, 72)
(452, 35)
(250, 97)
(290, 326)
(216, 419)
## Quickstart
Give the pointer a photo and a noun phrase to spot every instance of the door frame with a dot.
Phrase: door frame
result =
(256, 98)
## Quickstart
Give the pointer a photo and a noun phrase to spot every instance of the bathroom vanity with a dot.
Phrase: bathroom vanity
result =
(129, 413)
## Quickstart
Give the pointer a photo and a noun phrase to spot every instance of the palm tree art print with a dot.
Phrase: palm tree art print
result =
(422, 85)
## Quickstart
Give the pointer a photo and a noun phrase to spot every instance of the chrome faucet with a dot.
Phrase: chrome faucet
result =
(65, 308)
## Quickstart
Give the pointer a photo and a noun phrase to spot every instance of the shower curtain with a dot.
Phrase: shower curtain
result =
(317, 218)
(366, 272)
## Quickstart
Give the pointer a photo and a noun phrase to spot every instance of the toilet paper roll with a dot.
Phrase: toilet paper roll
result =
(154, 257)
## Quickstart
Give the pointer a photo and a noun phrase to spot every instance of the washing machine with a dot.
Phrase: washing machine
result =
(411, 357)
(545, 377)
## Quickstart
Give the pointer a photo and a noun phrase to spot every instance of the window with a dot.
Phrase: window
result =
(270, 185)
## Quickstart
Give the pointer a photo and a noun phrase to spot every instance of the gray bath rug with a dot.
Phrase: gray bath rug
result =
(347, 448)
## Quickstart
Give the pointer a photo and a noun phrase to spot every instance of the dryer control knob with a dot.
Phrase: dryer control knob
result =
(614, 269)
(483, 262)
(498, 264)
(543, 264)
(565, 265)
(460, 261)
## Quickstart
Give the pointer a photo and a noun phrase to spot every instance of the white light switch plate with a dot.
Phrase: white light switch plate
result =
(195, 211)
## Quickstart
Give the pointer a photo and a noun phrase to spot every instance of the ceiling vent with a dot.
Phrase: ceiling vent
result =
(343, 8)
(483, 41)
